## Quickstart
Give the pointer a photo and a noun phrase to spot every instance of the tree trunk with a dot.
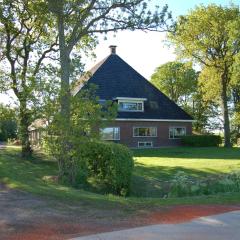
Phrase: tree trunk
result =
(65, 71)
(224, 106)
(64, 161)
(24, 134)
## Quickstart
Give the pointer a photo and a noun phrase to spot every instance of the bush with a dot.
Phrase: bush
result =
(182, 185)
(110, 164)
(202, 140)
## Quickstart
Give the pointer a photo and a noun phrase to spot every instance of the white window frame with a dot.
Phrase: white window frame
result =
(185, 129)
(144, 127)
(130, 101)
(145, 142)
(117, 139)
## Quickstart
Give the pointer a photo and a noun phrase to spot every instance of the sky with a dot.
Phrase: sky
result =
(143, 51)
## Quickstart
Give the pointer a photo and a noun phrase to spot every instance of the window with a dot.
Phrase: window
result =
(110, 133)
(130, 106)
(145, 144)
(144, 131)
(177, 132)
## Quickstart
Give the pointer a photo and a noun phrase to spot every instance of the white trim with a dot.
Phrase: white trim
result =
(112, 139)
(176, 127)
(153, 120)
(145, 143)
(145, 127)
(130, 99)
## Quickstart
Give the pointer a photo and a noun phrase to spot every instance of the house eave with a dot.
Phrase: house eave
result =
(154, 120)
(130, 98)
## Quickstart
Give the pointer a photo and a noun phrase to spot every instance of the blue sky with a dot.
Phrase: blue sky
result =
(179, 7)
(146, 51)
(143, 51)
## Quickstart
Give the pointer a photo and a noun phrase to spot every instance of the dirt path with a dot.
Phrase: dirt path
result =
(26, 217)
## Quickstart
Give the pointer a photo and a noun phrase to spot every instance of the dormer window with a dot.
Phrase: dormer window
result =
(131, 104)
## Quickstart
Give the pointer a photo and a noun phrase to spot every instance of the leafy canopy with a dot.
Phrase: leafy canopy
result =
(177, 80)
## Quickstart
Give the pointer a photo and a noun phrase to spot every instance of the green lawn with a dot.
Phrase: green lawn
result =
(152, 167)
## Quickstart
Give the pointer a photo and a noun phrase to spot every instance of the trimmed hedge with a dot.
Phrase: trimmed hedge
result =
(202, 140)
(109, 163)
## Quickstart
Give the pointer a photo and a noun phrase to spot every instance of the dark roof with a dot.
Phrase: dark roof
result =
(115, 78)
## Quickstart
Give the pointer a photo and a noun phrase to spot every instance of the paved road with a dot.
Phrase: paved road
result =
(218, 227)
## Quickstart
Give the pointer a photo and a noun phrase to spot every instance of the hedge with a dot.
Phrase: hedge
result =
(110, 163)
(202, 140)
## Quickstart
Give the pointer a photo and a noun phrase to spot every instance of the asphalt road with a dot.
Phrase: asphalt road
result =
(218, 227)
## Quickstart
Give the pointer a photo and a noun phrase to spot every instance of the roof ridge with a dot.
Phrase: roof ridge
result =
(87, 75)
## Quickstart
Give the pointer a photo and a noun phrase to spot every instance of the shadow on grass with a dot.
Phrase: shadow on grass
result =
(27, 175)
(190, 152)
(154, 181)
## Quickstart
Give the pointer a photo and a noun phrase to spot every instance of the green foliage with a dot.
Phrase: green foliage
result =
(209, 36)
(8, 123)
(177, 80)
(26, 40)
(182, 185)
(179, 186)
(109, 164)
(202, 140)
(180, 82)
(65, 137)
(28, 176)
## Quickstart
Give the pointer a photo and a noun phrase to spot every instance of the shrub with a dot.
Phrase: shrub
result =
(109, 163)
(202, 140)
(182, 185)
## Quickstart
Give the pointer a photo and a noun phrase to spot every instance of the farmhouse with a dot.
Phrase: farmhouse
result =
(146, 117)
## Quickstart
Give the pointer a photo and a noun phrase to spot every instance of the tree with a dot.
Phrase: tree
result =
(87, 116)
(235, 97)
(177, 80)
(209, 36)
(8, 123)
(79, 22)
(25, 42)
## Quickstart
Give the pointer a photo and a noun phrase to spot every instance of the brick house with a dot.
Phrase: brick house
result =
(146, 117)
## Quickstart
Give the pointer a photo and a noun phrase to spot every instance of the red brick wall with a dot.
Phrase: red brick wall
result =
(162, 139)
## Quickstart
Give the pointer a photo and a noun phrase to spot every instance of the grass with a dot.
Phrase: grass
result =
(152, 167)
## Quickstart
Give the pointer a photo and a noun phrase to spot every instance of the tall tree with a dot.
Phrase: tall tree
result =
(206, 36)
(24, 44)
(177, 80)
(79, 21)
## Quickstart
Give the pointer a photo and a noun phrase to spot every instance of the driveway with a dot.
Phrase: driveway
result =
(216, 227)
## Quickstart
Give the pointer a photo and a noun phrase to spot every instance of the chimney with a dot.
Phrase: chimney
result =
(113, 49)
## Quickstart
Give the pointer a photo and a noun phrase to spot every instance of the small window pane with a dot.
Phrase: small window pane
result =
(171, 133)
(145, 144)
(110, 133)
(145, 132)
(177, 132)
(130, 106)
